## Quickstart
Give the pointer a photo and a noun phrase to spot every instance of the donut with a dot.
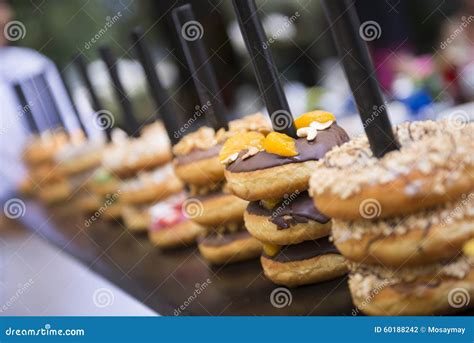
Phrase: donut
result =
(56, 192)
(150, 187)
(231, 247)
(218, 208)
(73, 159)
(145, 153)
(421, 238)
(136, 218)
(434, 289)
(103, 182)
(42, 149)
(199, 167)
(112, 212)
(255, 173)
(169, 226)
(88, 202)
(290, 221)
(434, 165)
(304, 263)
(182, 234)
(46, 173)
(197, 154)
(26, 187)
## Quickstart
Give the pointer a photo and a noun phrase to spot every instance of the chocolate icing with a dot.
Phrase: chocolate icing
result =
(216, 240)
(304, 251)
(197, 155)
(289, 211)
(308, 151)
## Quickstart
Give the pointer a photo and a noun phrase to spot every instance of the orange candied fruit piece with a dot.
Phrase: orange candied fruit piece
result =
(320, 116)
(241, 141)
(280, 144)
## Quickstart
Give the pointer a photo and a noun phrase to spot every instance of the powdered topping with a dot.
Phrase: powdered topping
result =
(72, 151)
(127, 154)
(438, 149)
(462, 209)
(157, 176)
(168, 212)
(206, 137)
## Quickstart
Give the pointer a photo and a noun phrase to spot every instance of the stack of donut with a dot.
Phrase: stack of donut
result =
(122, 161)
(45, 180)
(76, 163)
(402, 220)
(272, 172)
(210, 204)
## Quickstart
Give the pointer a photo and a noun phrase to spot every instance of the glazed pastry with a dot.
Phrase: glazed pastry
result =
(434, 289)
(197, 164)
(435, 164)
(273, 172)
(170, 228)
(403, 220)
(420, 238)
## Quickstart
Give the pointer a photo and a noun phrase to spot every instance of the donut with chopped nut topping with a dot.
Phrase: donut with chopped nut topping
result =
(434, 165)
(417, 239)
(436, 289)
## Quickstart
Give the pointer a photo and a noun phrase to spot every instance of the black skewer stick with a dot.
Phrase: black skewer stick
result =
(190, 36)
(26, 109)
(44, 92)
(360, 74)
(73, 105)
(168, 113)
(264, 67)
(132, 126)
(96, 104)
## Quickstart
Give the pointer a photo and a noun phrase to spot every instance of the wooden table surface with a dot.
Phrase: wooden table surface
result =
(169, 281)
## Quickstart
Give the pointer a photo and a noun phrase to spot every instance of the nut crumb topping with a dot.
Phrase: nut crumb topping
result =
(206, 137)
(364, 279)
(446, 214)
(432, 148)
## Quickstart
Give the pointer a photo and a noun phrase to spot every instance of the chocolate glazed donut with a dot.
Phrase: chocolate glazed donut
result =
(270, 176)
(291, 221)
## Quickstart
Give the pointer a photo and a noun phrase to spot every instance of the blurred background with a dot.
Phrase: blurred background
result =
(423, 51)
